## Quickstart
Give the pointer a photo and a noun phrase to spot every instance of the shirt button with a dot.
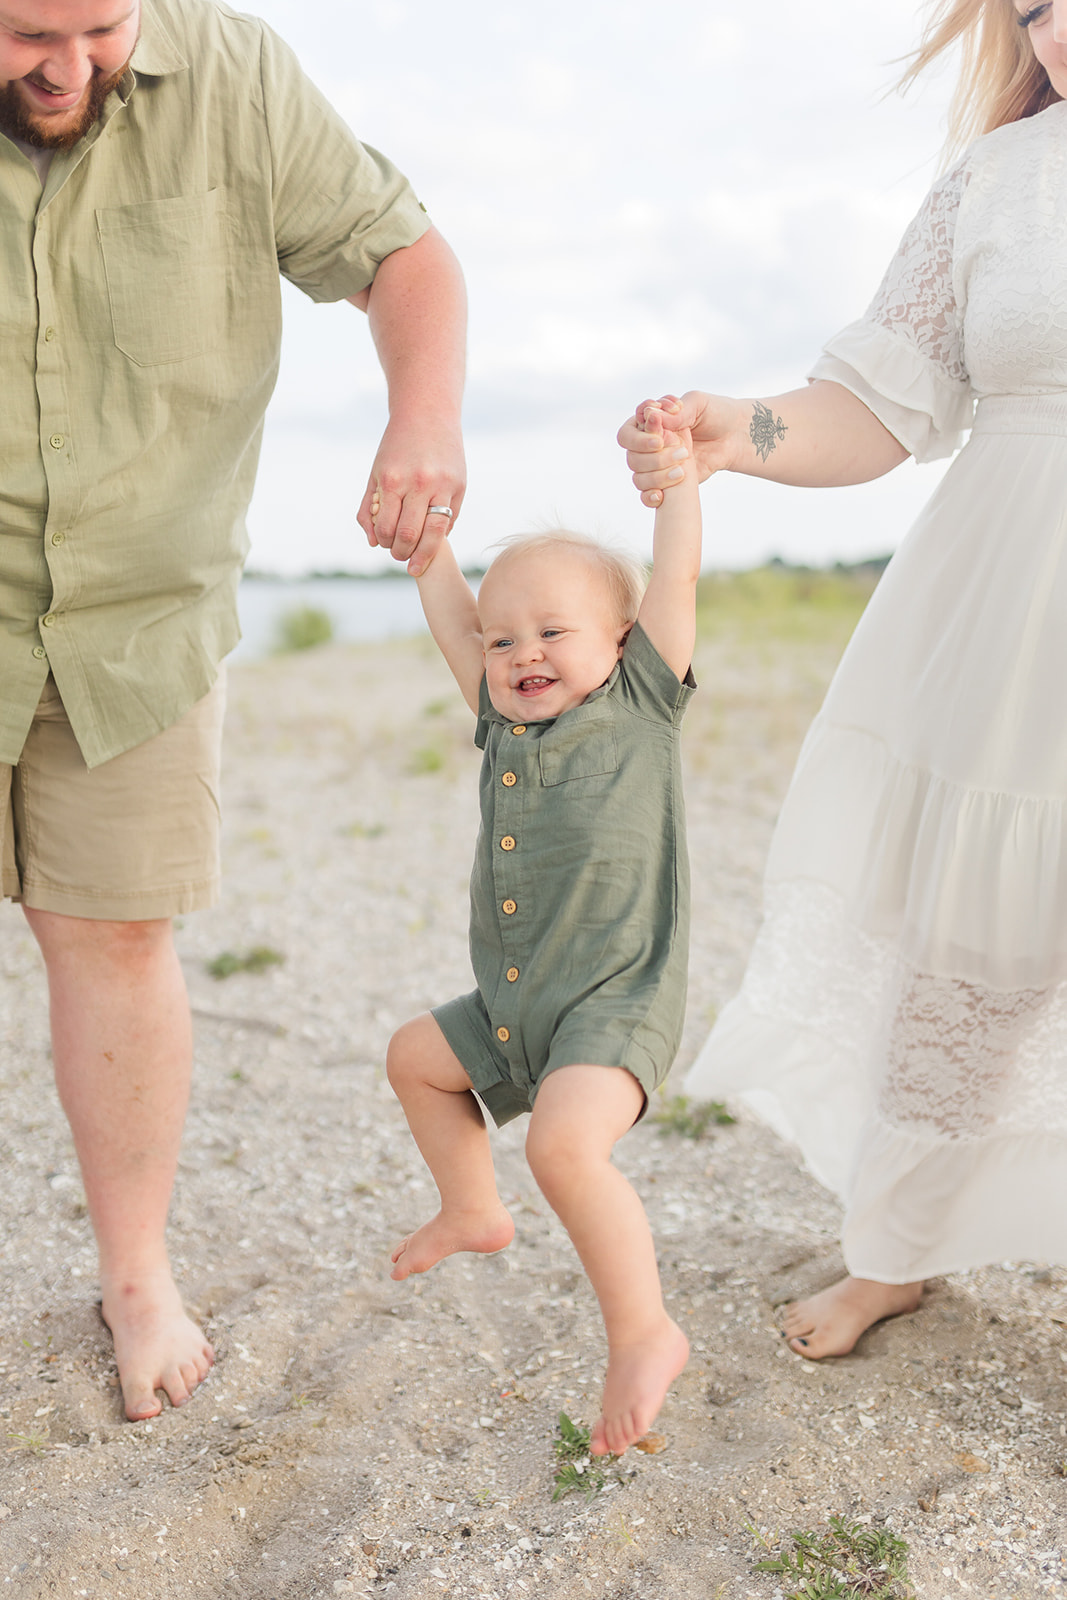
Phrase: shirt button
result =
(38, 651)
(49, 334)
(519, 728)
(503, 1035)
(512, 973)
(48, 621)
(507, 842)
(509, 780)
(58, 538)
(57, 441)
(509, 908)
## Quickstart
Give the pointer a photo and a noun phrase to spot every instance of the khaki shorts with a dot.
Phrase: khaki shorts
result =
(133, 839)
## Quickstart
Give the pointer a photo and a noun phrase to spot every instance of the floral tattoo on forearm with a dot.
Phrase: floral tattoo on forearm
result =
(765, 429)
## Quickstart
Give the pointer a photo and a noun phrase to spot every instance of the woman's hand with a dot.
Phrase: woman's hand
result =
(713, 421)
(817, 437)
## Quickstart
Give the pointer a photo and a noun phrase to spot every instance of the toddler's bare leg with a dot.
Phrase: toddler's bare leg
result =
(449, 1129)
(579, 1114)
(829, 1323)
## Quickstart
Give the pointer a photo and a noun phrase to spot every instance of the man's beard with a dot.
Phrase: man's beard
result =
(46, 132)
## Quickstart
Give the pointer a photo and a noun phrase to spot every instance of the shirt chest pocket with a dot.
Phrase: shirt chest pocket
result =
(587, 750)
(166, 276)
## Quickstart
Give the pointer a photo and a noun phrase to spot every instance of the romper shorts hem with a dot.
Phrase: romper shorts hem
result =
(468, 1032)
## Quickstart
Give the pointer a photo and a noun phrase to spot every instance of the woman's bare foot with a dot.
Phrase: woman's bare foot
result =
(157, 1346)
(828, 1324)
(449, 1232)
(637, 1381)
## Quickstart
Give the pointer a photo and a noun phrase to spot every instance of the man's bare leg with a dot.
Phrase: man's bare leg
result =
(122, 1047)
(828, 1324)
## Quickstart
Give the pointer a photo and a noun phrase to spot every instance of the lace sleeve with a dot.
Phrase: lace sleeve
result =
(916, 300)
(904, 358)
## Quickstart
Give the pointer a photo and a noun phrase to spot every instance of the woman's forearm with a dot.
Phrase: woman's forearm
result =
(818, 436)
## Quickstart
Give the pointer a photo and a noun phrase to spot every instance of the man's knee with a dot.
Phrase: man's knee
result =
(123, 945)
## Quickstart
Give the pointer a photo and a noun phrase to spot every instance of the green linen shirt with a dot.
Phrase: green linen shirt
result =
(140, 327)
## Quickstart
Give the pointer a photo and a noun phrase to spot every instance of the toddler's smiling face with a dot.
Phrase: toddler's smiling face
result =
(550, 631)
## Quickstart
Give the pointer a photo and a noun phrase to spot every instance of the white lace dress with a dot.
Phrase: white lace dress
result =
(904, 1015)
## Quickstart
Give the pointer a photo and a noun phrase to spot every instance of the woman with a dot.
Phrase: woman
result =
(904, 1014)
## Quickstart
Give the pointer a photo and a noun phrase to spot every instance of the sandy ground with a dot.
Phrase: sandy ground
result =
(363, 1437)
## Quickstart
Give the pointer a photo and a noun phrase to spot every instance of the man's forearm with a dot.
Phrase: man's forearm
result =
(417, 309)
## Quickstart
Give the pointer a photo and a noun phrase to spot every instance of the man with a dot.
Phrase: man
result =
(160, 161)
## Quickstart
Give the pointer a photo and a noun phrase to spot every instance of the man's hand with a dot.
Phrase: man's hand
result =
(419, 464)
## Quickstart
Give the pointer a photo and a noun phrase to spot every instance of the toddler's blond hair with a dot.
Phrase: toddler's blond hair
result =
(624, 575)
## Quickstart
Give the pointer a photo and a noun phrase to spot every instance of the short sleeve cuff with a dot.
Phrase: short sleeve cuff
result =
(353, 262)
(648, 684)
(925, 411)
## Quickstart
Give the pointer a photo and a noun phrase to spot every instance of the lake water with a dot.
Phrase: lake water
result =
(359, 608)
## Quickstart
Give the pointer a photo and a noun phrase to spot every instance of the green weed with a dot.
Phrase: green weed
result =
(36, 1443)
(362, 830)
(430, 758)
(676, 1114)
(846, 1561)
(577, 1469)
(302, 628)
(258, 959)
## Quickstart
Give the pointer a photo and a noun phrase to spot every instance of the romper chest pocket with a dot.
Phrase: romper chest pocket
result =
(585, 750)
(166, 276)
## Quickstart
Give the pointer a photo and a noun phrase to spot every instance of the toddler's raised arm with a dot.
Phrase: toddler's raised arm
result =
(668, 610)
(452, 616)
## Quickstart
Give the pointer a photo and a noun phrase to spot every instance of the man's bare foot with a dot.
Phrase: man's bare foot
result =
(157, 1346)
(828, 1324)
(448, 1232)
(637, 1381)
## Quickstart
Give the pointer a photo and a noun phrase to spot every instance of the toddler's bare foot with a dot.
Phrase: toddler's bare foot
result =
(448, 1232)
(638, 1378)
(157, 1346)
(828, 1324)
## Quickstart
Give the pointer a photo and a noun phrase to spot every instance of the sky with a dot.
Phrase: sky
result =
(645, 199)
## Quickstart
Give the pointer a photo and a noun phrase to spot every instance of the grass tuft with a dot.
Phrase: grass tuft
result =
(258, 959)
(36, 1443)
(430, 758)
(302, 628)
(577, 1469)
(676, 1114)
(845, 1561)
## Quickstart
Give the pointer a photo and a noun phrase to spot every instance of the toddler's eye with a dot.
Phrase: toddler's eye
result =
(551, 633)
(501, 644)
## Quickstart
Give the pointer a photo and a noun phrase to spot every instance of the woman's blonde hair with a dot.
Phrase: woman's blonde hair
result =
(1001, 80)
(624, 575)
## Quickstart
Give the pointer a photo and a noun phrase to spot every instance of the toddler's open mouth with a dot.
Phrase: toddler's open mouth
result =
(534, 685)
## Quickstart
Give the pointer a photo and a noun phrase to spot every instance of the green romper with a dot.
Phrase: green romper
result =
(579, 929)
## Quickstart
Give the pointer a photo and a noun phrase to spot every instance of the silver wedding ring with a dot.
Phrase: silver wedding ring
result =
(439, 511)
